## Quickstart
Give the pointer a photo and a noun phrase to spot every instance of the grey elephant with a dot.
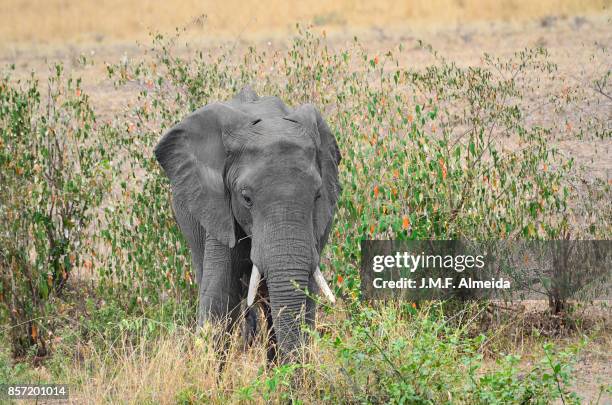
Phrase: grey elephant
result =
(254, 191)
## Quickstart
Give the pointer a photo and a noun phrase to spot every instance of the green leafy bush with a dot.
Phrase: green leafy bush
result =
(396, 354)
(442, 152)
(54, 166)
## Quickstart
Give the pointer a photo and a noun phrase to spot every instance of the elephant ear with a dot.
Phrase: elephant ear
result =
(192, 154)
(328, 156)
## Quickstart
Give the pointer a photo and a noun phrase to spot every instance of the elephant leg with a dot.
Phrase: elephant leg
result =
(197, 261)
(250, 326)
(220, 285)
(272, 342)
(250, 330)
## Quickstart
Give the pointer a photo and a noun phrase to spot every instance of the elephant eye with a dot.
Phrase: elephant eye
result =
(247, 199)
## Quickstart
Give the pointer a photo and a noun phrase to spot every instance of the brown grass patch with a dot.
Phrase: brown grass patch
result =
(56, 21)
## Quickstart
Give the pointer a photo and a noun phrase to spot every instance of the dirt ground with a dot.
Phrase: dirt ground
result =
(47, 22)
(453, 28)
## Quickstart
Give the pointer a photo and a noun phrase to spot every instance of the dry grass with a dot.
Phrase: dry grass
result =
(57, 21)
(181, 366)
(178, 366)
(160, 370)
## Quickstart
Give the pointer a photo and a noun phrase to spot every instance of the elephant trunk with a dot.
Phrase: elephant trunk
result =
(290, 310)
(285, 253)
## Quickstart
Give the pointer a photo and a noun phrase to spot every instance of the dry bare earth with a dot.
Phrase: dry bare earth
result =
(44, 22)
(101, 30)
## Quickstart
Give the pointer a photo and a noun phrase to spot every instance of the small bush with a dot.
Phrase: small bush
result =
(53, 174)
(397, 354)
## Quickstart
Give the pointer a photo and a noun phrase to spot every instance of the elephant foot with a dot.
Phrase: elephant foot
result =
(250, 326)
(271, 342)
(272, 353)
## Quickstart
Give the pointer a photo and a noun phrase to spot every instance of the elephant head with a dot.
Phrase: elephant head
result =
(251, 166)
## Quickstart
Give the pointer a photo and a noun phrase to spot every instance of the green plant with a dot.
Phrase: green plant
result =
(276, 386)
(8, 370)
(442, 152)
(547, 380)
(397, 354)
(54, 174)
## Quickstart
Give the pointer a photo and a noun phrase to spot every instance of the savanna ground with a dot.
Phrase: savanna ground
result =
(140, 346)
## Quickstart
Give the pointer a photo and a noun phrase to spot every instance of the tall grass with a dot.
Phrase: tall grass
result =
(387, 354)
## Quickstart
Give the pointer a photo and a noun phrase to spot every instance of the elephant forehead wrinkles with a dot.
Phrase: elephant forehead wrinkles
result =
(279, 131)
(274, 148)
(281, 144)
(287, 150)
(290, 172)
(284, 158)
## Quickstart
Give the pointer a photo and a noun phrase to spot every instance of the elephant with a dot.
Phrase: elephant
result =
(254, 189)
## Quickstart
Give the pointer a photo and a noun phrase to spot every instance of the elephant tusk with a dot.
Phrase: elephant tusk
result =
(327, 292)
(253, 285)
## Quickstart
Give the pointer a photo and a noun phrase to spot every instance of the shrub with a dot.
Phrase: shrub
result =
(53, 174)
(442, 152)
(396, 354)
(385, 354)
